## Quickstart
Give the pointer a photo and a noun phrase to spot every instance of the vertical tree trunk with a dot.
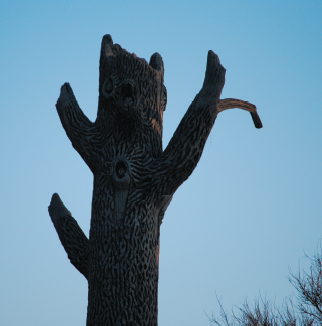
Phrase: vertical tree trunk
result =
(134, 179)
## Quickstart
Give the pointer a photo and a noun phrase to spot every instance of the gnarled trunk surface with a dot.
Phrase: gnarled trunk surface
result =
(134, 179)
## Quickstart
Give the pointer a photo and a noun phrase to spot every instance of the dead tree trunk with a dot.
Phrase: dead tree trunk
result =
(134, 179)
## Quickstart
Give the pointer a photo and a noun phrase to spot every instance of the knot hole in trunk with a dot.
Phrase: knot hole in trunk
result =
(121, 169)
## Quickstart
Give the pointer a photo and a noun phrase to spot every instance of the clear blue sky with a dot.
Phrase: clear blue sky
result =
(251, 208)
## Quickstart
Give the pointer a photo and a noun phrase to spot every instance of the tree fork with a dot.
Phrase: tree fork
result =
(134, 178)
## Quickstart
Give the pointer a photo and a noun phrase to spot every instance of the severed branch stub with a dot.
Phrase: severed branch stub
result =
(134, 178)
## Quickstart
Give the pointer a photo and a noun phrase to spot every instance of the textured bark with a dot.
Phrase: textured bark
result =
(70, 234)
(134, 179)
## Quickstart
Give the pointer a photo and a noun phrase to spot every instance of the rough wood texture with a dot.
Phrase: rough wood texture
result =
(134, 179)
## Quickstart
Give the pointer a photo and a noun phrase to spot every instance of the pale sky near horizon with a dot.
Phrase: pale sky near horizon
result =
(252, 207)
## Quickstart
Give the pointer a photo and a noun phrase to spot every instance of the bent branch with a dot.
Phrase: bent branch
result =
(232, 103)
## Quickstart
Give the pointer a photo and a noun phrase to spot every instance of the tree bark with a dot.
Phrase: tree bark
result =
(134, 179)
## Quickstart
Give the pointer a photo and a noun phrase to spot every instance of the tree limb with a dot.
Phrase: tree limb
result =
(80, 130)
(70, 234)
(232, 103)
(185, 147)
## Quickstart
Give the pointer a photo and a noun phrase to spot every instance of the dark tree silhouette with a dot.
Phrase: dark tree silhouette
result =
(307, 311)
(309, 287)
(134, 178)
(263, 313)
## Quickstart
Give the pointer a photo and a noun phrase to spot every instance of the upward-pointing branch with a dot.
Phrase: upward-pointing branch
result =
(80, 130)
(70, 234)
(184, 150)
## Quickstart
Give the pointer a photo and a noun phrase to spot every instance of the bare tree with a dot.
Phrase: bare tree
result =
(309, 286)
(307, 311)
(263, 313)
(134, 178)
